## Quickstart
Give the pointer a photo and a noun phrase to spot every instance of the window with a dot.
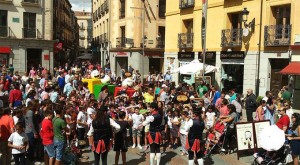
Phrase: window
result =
(29, 25)
(235, 20)
(3, 23)
(282, 15)
(122, 9)
(162, 9)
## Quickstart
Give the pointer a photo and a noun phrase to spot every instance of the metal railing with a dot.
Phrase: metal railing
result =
(102, 9)
(185, 40)
(160, 43)
(122, 41)
(231, 37)
(29, 32)
(105, 37)
(99, 12)
(277, 35)
(4, 31)
(106, 5)
(183, 4)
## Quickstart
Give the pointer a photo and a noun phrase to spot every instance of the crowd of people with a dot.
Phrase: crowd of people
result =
(42, 114)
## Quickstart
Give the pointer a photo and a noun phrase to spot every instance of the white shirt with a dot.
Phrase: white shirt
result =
(169, 122)
(69, 126)
(210, 117)
(112, 123)
(67, 78)
(90, 111)
(188, 125)
(18, 140)
(137, 120)
(82, 118)
(182, 128)
(290, 112)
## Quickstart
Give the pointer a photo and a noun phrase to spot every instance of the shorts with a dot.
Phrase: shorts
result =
(136, 132)
(49, 149)
(147, 128)
(59, 149)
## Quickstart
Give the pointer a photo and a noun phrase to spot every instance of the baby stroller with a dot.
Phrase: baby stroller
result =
(72, 153)
(219, 130)
(272, 157)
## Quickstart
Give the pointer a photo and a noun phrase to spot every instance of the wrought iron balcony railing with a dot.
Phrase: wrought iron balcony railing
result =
(99, 12)
(5, 32)
(277, 35)
(122, 41)
(32, 33)
(183, 4)
(31, 3)
(102, 9)
(231, 37)
(106, 5)
(160, 43)
(185, 40)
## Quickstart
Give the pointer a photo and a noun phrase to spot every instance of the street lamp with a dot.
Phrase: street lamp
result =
(251, 24)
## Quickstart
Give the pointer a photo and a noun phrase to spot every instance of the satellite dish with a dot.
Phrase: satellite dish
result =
(245, 32)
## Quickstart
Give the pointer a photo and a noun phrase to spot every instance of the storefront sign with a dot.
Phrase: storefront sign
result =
(208, 55)
(5, 50)
(121, 54)
(186, 55)
(232, 55)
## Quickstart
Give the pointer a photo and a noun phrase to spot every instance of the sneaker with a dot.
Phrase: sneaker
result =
(140, 147)
(133, 146)
(223, 150)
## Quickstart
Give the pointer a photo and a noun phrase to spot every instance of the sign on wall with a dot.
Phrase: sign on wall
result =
(232, 55)
(186, 55)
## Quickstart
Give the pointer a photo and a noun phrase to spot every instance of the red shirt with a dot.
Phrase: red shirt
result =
(283, 121)
(15, 95)
(6, 125)
(46, 133)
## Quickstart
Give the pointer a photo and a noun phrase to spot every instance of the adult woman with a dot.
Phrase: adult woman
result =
(224, 108)
(103, 94)
(157, 89)
(175, 128)
(295, 138)
(101, 133)
(260, 111)
(229, 120)
(32, 73)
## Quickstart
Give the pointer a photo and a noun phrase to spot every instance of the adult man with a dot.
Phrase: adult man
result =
(284, 121)
(154, 136)
(163, 95)
(168, 76)
(59, 127)
(15, 96)
(68, 88)
(217, 94)
(201, 88)
(195, 129)
(286, 95)
(250, 104)
(149, 97)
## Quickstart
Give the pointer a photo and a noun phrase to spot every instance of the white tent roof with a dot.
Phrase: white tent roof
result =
(195, 67)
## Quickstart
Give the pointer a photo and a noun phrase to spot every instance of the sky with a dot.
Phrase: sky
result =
(80, 5)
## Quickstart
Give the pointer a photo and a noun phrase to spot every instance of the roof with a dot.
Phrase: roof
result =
(292, 69)
(82, 13)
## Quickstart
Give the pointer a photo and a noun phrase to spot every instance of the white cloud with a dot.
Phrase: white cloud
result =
(79, 5)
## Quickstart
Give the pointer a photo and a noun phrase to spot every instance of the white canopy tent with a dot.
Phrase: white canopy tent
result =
(195, 67)
(85, 56)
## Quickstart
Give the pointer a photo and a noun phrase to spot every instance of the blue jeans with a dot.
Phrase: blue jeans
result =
(50, 150)
(59, 148)
(31, 142)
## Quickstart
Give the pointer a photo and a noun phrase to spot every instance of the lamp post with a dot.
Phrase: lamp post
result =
(143, 34)
(203, 26)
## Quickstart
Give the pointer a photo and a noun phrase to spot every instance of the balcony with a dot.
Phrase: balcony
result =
(5, 32)
(6, 1)
(160, 43)
(106, 5)
(184, 4)
(102, 9)
(122, 13)
(100, 39)
(277, 35)
(105, 37)
(231, 37)
(99, 12)
(122, 41)
(185, 40)
(31, 33)
(32, 3)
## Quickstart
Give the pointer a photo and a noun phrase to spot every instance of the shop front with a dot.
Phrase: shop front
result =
(4, 55)
(183, 59)
(210, 59)
(232, 70)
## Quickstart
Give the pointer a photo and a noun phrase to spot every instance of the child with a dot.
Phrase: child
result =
(120, 139)
(18, 142)
(47, 136)
(211, 139)
(137, 119)
(210, 117)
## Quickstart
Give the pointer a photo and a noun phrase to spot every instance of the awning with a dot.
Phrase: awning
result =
(5, 49)
(292, 69)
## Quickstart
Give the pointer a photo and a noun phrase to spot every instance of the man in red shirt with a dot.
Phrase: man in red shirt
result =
(284, 121)
(15, 96)
(47, 136)
(7, 128)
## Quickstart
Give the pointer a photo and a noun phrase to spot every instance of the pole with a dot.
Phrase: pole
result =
(143, 39)
(203, 26)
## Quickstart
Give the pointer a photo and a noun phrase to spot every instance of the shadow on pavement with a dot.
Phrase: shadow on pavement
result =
(166, 158)
(208, 161)
(137, 161)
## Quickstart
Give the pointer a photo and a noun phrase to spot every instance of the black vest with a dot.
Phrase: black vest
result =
(102, 130)
(196, 130)
(155, 126)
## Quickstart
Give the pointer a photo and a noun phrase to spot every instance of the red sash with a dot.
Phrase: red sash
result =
(101, 148)
(158, 139)
(195, 147)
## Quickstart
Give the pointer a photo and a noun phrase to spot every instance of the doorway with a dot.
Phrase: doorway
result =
(278, 80)
(233, 77)
(121, 63)
(34, 58)
(155, 65)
